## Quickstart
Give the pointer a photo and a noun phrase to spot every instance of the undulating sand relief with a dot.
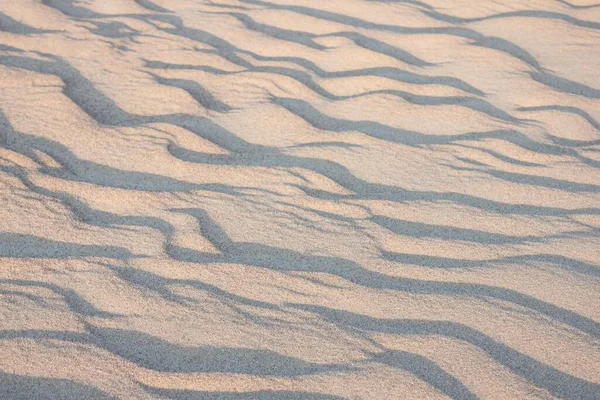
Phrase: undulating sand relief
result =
(299, 199)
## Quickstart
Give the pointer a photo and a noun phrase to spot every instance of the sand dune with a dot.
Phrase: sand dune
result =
(269, 199)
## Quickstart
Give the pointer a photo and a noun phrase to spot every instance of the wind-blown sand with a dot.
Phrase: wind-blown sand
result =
(299, 199)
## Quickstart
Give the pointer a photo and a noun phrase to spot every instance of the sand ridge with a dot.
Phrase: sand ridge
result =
(345, 199)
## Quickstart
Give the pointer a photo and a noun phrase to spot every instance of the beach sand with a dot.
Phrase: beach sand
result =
(299, 199)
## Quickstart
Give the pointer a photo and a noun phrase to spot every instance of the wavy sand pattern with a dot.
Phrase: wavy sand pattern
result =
(299, 199)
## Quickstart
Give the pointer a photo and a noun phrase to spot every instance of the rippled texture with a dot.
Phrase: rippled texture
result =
(299, 199)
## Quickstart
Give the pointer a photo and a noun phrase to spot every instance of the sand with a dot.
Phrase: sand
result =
(299, 199)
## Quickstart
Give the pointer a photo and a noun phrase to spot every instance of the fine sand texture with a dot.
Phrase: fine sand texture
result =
(299, 199)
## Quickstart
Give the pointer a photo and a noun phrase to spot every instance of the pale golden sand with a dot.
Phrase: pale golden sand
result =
(299, 199)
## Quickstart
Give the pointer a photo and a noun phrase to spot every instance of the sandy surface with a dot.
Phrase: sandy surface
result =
(299, 199)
